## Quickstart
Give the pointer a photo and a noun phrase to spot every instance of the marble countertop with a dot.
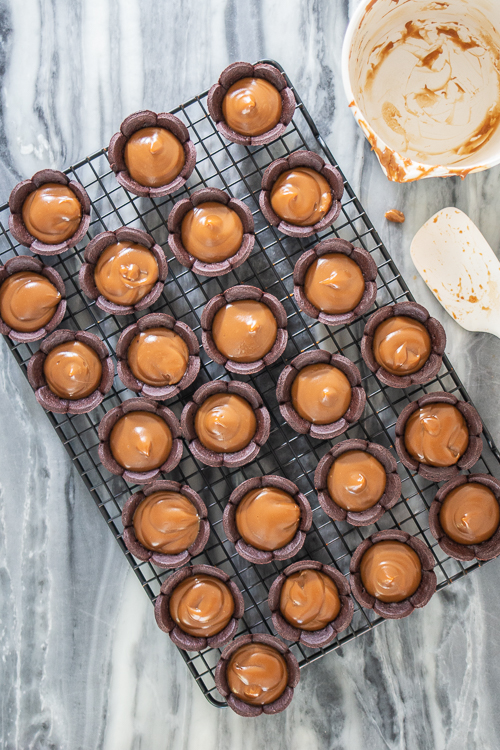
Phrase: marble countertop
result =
(83, 664)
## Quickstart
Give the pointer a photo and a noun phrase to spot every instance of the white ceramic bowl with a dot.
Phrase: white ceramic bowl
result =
(367, 16)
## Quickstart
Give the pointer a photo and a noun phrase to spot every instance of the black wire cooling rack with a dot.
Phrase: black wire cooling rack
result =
(238, 170)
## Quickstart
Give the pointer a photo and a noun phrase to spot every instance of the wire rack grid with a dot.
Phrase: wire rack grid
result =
(238, 170)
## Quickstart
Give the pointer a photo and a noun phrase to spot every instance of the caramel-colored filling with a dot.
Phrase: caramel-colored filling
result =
(140, 441)
(470, 514)
(334, 284)
(321, 394)
(309, 600)
(212, 232)
(257, 674)
(154, 157)
(401, 345)
(158, 357)
(225, 423)
(125, 273)
(52, 213)
(391, 571)
(166, 522)
(28, 301)
(201, 605)
(436, 435)
(301, 197)
(245, 330)
(267, 518)
(356, 481)
(252, 106)
(72, 370)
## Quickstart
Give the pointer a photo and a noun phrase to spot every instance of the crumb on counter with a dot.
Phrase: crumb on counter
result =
(395, 216)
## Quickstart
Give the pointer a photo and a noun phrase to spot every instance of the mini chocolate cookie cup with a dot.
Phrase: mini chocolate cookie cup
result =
(111, 418)
(16, 202)
(239, 706)
(238, 458)
(484, 550)
(157, 320)
(438, 343)
(392, 490)
(182, 639)
(469, 458)
(284, 390)
(27, 263)
(360, 256)
(157, 558)
(235, 72)
(315, 638)
(148, 119)
(394, 610)
(247, 551)
(185, 258)
(46, 397)
(301, 159)
(244, 292)
(94, 250)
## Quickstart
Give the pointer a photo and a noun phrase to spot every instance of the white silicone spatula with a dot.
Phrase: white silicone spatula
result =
(461, 269)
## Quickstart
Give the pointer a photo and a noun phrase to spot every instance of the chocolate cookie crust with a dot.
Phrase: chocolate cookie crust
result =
(238, 458)
(94, 250)
(301, 159)
(27, 263)
(485, 550)
(46, 397)
(360, 256)
(245, 709)
(469, 458)
(438, 342)
(16, 202)
(148, 119)
(235, 72)
(111, 418)
(157, 320)
(244, 292)
(157, 558)
(182, 208)
(392, 490)
(316, 638)
(394, 610)
(190, 642)
(247, 551)
(284, 388)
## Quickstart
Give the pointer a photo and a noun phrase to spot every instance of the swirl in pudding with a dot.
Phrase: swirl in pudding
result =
(158, 357)
(321, 394)
(28, 301)
(72, 370)
(225, 423)
(401, 345)
(212, 232)
(267, 518)
(334, 284)
(125, 272)
(391, 571)
(436, 435)
(257, 674)
(140, 441)
(154, 156)
(356, 481)
(52, 213)
(470, 514)
(201, 605)
(252, 106)
(166, 522)
(245, 330)
(301, 197)
(309, 600)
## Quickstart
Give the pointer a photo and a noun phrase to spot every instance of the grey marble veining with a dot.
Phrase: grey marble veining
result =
(83, 664)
